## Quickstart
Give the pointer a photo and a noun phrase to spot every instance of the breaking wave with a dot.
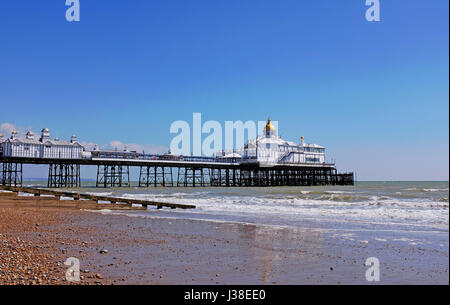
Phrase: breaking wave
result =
(409, 204)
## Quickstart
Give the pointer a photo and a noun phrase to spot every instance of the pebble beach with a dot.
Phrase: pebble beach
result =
(117, 249)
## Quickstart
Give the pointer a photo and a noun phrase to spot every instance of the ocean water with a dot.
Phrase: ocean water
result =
(404, 206)
(403, 224)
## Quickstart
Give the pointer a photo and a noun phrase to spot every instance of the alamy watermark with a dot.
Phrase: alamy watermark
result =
(373, 272)
(372, 13)
(73, 272)
(210, 137)
(73, 12)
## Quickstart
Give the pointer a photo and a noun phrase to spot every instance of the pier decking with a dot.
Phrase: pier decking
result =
(157, 171)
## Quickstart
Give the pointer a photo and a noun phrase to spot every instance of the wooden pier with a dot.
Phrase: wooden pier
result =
(115, 203)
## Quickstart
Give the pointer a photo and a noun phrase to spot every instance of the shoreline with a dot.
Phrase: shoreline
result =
(146, 250)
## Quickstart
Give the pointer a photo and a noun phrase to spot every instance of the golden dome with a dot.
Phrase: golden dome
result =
(269, 126)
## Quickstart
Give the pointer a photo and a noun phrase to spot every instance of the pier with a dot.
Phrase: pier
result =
(157, 171)
(265, 161)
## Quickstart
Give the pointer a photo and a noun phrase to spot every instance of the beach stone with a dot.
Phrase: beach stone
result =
(103, 251)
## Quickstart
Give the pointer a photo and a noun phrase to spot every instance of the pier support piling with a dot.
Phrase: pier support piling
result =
(64, 175)
(155, 176)
(113, 176)
(191, 176)
(11, 174)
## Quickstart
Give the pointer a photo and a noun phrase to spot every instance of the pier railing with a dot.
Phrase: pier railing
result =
(157, 157)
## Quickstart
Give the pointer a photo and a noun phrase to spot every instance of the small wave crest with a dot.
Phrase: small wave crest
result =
(423, 190)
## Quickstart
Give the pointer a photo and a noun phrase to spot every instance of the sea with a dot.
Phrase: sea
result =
(413, 206)
(405, 225)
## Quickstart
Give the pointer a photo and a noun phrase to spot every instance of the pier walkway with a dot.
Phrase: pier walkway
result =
(172, 171)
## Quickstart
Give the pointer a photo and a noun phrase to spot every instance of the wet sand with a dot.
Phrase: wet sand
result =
(36, 241)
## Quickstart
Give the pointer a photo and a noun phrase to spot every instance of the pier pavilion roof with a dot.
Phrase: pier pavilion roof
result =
(47, 142)
(272, 140)
(30, 140)
(269, 126)
(313, 145)
(276, 140)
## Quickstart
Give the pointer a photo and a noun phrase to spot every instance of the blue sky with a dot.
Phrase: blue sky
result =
(375, 94)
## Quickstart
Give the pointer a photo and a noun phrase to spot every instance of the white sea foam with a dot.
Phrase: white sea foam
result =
(400, 206)
(105, 211)
(377, 209)
(100, 193)
(380, 239)
(418, 189)
(25, 194)
(435, 190)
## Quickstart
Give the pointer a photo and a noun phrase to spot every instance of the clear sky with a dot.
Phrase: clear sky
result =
(375, 94)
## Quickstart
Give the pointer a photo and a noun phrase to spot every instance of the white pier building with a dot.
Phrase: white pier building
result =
(270, 149)
(44, 147)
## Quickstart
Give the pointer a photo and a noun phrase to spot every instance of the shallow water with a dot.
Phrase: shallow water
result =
(412, 206)
(400, 223)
